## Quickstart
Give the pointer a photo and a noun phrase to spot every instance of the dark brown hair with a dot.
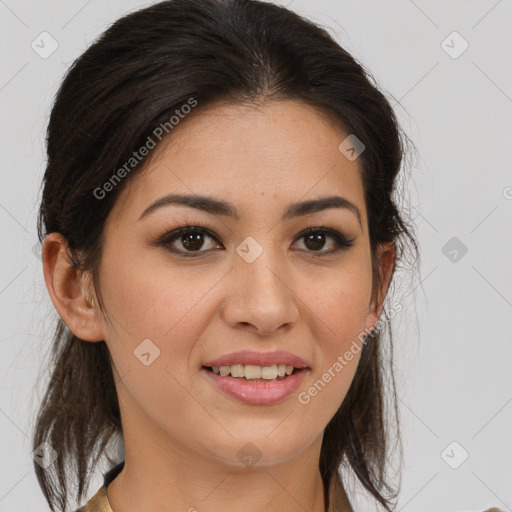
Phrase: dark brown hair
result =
(123, 87)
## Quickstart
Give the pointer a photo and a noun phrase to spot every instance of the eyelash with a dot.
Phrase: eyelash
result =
(168, 238)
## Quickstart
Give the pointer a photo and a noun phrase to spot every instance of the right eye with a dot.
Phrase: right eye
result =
(190, 240)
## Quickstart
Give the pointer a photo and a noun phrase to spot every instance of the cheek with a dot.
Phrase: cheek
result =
(338, 309)
(156, 318)
(340, 303)
(144, 302)
(152, 298)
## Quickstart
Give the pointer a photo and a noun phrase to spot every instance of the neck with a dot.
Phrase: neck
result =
(160, 474)
(166, 489)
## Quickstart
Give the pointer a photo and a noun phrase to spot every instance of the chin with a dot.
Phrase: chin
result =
(260, 449)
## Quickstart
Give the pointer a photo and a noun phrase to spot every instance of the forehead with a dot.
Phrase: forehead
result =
(279, 151)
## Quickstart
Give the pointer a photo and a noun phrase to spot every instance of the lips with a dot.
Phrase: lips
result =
(253, 387)
(256, 392)
(249, 357)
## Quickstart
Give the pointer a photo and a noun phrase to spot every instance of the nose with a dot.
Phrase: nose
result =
(261, 296)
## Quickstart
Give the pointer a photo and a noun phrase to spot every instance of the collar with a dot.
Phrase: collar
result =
(99, 502)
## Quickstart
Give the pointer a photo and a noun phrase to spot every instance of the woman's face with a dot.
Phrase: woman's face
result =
(251, 281)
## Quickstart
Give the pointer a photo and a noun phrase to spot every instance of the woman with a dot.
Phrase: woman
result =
(220, 234)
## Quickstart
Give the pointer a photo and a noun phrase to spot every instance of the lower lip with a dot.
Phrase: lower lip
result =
(257, 393)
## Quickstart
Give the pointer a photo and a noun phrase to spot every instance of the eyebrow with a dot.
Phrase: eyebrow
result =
(220, 207)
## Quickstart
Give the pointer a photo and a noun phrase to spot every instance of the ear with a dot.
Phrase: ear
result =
(71, 291)
(386, 264)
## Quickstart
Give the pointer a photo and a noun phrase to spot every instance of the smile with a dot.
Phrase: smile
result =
(251, 371)
(269, 387)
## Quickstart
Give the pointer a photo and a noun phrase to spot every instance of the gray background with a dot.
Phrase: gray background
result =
(453, 344)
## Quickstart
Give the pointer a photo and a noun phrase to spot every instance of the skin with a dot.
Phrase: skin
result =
(181, 434)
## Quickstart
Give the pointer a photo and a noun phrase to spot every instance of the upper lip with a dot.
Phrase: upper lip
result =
(258, 359)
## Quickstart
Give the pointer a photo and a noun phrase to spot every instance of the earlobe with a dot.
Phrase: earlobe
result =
(70, 290)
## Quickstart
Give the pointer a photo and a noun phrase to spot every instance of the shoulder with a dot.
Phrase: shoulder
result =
(98, 503)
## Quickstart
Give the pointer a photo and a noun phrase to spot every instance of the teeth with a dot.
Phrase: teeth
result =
(251, 371)
(269, 372)
(236, 370)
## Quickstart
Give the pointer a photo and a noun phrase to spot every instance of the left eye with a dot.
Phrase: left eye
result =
(192, 240)
(315, 239)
